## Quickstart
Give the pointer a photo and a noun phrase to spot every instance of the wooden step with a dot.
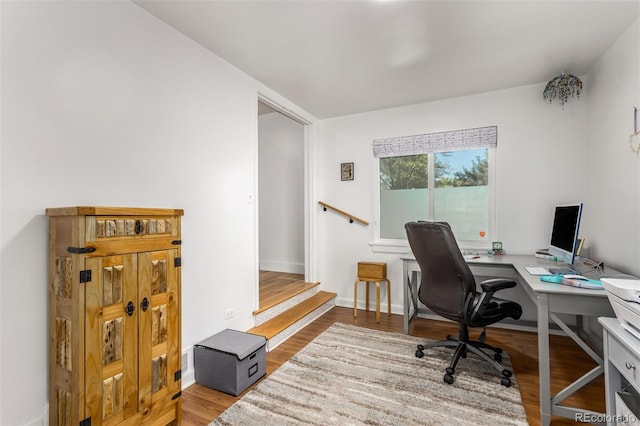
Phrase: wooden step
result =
(288, 318)
(281, 293)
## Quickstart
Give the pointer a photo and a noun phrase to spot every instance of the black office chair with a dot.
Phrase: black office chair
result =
(448, 288)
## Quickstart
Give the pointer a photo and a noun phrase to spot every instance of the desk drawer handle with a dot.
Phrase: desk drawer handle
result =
(630, 366)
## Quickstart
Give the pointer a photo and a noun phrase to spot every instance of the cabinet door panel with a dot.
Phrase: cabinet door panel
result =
(111, 343)
(159, 333)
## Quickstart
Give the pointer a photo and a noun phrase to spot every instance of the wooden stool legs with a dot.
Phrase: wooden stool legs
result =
(369, 281)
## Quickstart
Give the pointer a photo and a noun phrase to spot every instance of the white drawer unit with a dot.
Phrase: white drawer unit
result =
(622, 373)
(625, 360)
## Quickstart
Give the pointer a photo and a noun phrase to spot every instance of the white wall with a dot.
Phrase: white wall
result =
(281, 193)
(540, 157)
(613, 169)
(103, 104)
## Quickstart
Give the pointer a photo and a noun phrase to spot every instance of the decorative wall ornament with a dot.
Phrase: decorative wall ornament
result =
(479, 137)
(562, 87)
(635, 136)
(346, 171)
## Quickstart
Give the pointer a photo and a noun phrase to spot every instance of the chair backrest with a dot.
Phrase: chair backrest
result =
(446, 279)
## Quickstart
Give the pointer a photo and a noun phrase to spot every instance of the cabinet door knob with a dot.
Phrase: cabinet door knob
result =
(630, 366)
(130, 308)
(145, 304)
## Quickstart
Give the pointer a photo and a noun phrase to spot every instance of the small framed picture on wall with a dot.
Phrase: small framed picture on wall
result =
(346, 171)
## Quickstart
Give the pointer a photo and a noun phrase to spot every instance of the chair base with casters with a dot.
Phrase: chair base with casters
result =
(462, 345)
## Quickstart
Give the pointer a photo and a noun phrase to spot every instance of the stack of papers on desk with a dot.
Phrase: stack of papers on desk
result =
(574, 282)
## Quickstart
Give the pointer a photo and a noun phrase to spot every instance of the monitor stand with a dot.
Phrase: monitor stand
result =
(569, 269)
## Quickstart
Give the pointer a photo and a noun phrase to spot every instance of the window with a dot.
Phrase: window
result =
(455, 186)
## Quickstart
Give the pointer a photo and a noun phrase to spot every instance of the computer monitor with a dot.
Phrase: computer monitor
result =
(564, 234)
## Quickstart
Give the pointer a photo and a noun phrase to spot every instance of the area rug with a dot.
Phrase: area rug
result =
(356, 376)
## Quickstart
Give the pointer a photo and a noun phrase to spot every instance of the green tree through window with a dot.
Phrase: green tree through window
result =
(406, 172)
(476, 175)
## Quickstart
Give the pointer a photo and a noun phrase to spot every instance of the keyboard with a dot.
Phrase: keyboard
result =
(537, 270)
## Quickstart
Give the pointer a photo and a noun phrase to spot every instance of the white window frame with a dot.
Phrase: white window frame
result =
(388, 245)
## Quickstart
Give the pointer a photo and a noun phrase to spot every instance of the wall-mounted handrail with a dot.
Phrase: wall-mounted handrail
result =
(351, 217)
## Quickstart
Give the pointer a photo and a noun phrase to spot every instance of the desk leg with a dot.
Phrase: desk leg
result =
(409, 295)
(544, 369)
(405, 296)
(413, 293)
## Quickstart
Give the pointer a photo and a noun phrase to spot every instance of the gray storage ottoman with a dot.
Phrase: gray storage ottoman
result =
(230, 361)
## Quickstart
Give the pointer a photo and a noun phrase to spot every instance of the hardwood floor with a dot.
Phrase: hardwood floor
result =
(200, 405)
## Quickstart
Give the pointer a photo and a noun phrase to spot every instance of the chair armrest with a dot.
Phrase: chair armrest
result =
(496, 284)
(489, 287)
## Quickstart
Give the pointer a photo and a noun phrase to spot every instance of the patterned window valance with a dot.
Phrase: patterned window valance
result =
(456, 140)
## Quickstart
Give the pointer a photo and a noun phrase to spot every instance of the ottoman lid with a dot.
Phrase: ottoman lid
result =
(234, 342)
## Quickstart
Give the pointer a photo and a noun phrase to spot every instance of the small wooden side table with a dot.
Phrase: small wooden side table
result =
(372, 272)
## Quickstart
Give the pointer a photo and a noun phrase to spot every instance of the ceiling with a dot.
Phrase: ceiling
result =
(341, 57)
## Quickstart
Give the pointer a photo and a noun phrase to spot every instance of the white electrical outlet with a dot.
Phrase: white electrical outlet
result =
(185, 362)
(229, 313)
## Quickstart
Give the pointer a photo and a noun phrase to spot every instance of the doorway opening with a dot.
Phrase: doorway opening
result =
(281, 204)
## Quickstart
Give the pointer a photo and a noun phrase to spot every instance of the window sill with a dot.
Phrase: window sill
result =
(402, 246)
(390, 246)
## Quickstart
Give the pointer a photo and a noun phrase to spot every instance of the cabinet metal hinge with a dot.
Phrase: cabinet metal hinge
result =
(80, 250)
(86, 422)
(176, 396)
(177, 262)
(85, 276)
(177, 375)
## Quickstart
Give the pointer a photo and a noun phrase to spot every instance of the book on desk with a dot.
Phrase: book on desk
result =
(581, 282)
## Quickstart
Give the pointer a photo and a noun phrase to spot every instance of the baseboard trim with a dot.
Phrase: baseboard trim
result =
(288, 267)
(188, 378)
(188, 371)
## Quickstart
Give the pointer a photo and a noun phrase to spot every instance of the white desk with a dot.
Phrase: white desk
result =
(550, 299)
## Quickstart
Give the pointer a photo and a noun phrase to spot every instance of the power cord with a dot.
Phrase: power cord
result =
(598, 267)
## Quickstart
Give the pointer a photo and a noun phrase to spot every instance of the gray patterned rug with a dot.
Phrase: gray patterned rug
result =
(356, 376)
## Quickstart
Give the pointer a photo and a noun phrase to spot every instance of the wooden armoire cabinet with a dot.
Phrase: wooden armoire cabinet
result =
(114, 316)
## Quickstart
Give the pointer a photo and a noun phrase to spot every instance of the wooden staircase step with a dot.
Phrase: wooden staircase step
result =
(282, 293)
(286, 319)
